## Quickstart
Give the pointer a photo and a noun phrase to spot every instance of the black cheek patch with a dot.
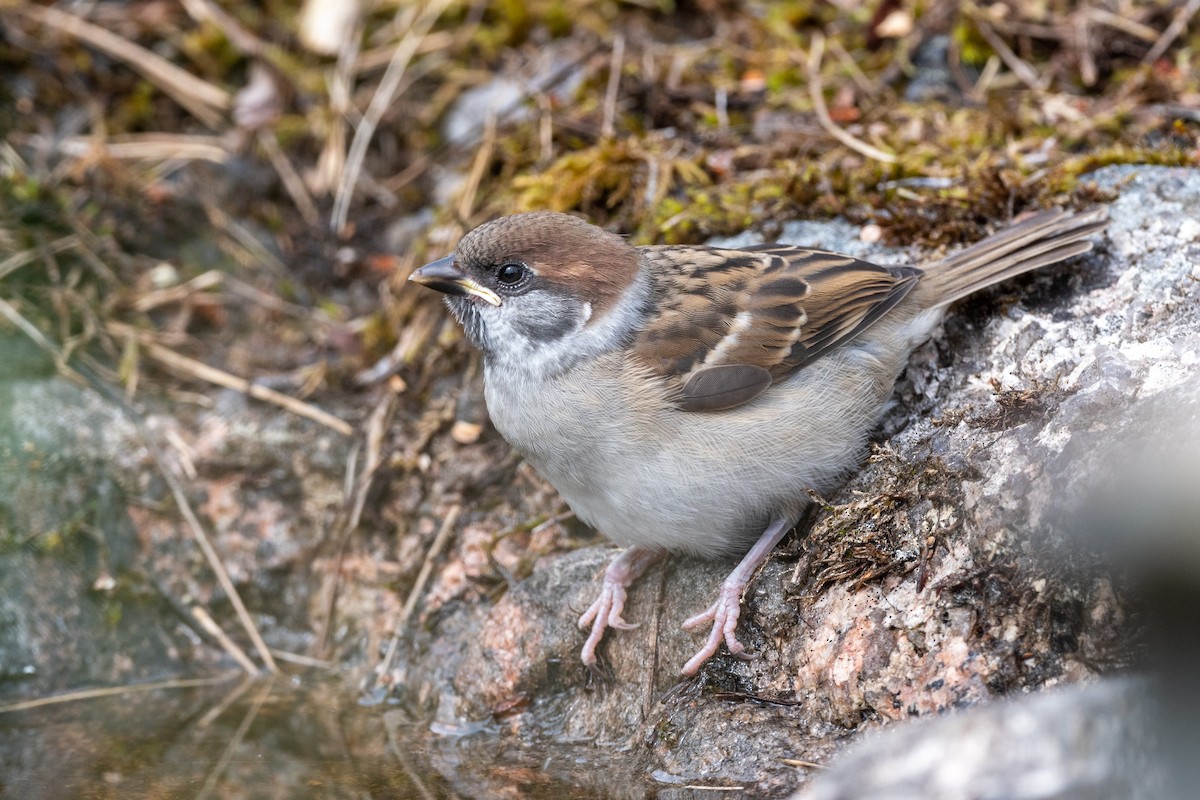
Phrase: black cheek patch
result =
(545, 327)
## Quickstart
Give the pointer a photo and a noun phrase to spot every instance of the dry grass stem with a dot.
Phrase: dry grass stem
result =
(174, 294)
(210, 554)
(379, 57)
(608, 126)
(865, 85)
(181, 501)
(292, 182)
(1134, 28)
(988, 74)
(1178, 25)
(24, 257)
(1021, 68)
(116, 691)
(302, 660)
(355, 489)
(377, 427)
(483, 157)
(815, 55)
(205, 101)
(207, 11)
(199, 370)
(248, 250)
(142, 147)
(384, 95)
(210, 626)
(414, 594)
(29, 329)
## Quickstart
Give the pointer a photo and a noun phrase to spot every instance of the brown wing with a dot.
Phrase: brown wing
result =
(734, 321)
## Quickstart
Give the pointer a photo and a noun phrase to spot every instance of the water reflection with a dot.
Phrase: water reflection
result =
(278, 738)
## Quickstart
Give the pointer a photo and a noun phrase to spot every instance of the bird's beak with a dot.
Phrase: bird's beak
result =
(445, 276)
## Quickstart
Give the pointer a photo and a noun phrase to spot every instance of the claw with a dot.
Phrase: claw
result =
(604, 613)
(608, 607)
(724, 615)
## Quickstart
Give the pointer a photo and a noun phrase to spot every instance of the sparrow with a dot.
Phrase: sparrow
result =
(688, 399)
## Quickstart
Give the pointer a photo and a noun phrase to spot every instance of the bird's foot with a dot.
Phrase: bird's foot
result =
(606, 611)
(603, 614)
(723, 614)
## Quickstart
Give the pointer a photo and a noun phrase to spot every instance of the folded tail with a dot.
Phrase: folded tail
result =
(1043, 239)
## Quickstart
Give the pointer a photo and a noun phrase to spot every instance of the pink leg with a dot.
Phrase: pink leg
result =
(606, 611)
(724, 613)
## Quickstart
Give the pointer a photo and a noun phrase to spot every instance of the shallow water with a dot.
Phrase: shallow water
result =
(280, 738)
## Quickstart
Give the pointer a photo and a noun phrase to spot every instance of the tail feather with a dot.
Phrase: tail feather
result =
(1043, 239)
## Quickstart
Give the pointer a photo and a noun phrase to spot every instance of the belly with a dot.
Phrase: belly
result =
(703, 483)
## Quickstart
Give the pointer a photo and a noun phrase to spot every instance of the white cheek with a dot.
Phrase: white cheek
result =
(577, 340)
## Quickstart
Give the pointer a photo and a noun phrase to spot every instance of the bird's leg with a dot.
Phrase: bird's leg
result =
(724, 613)
(606, 611)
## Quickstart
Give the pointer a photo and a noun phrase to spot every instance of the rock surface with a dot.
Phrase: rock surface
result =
(940, 577)
(1089, 741)
(98, 572)
(67, 616)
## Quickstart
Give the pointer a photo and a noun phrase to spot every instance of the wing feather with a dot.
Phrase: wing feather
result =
(732, 322)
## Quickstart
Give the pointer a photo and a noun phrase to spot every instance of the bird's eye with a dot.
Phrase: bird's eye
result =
(510, 273)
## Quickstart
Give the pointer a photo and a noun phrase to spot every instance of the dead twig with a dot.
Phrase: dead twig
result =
(435, 549)
(115, 691)
(1178, 25)
(815, 54)
(199, 370)
(380, 102)
(203, 100)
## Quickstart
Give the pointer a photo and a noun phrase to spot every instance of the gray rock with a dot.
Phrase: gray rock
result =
(69, 614)
(96, 566)
(1092, 741)
(553, 71)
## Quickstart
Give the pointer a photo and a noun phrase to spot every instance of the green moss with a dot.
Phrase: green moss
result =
(719, 210)
(1161, 156)
(973, 49)
(112, 611)
(378, 336)
(667, 733)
